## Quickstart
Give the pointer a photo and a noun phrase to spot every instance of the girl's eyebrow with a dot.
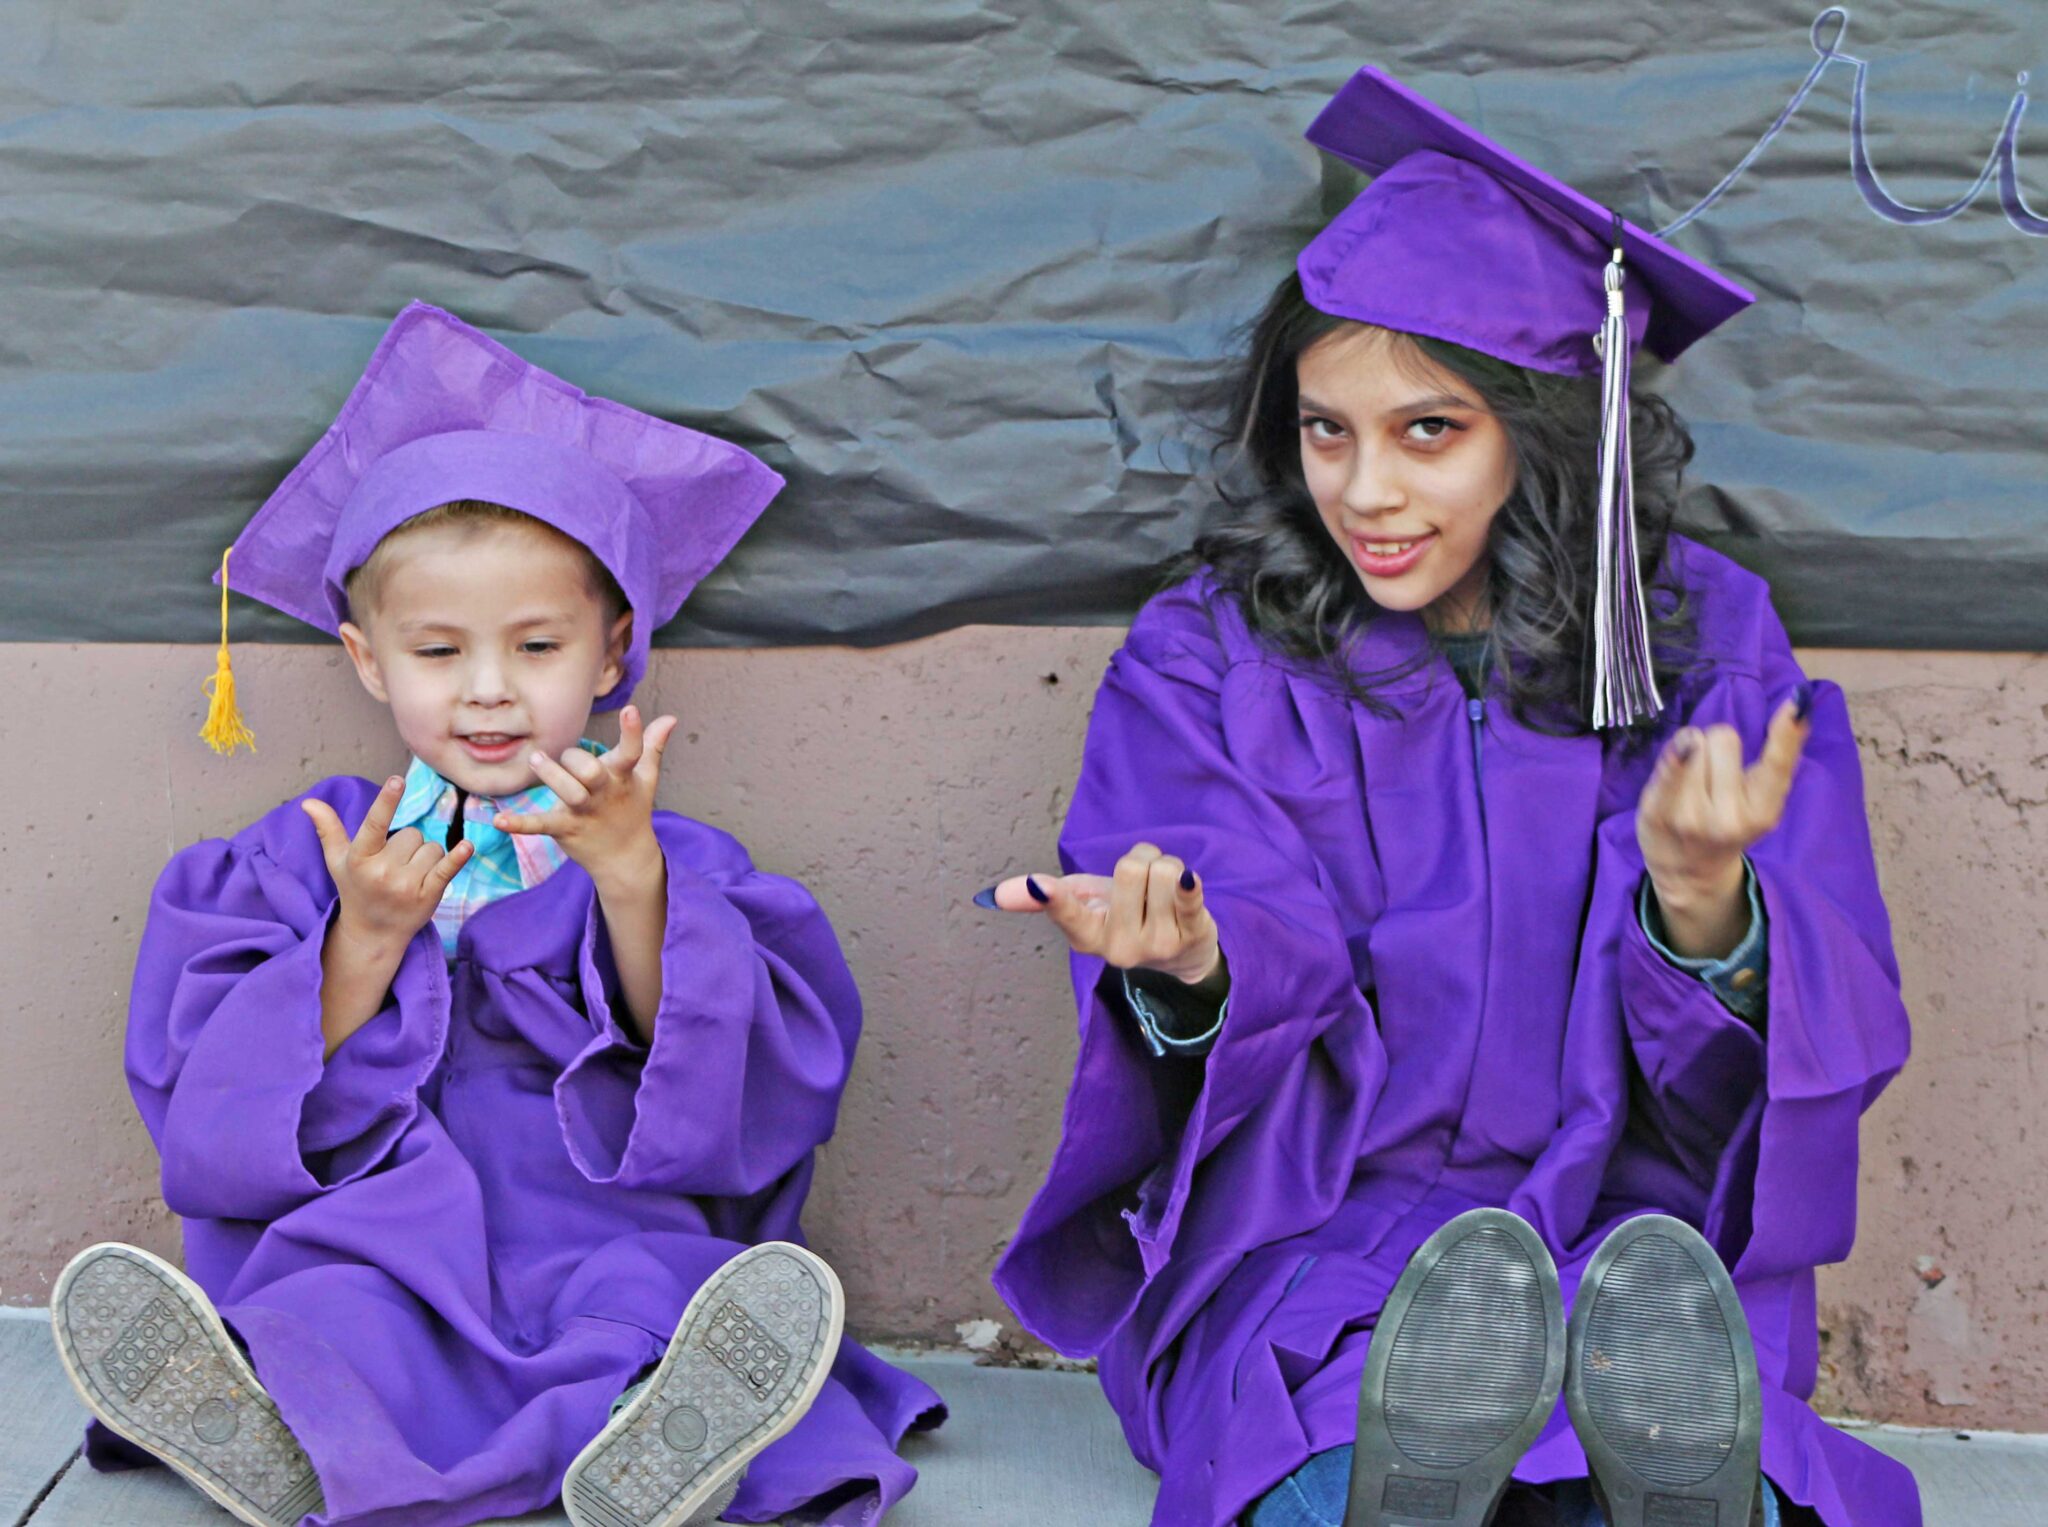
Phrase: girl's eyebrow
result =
(1434, 400)
(1412, 406)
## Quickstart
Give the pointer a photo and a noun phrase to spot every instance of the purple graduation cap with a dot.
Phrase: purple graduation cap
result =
(444, 412)
(1460, 240)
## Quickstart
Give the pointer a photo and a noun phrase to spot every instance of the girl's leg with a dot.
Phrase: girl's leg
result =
(1573, 1505)
(1316, 1494)
(1312, 1496)
(1776, 1513)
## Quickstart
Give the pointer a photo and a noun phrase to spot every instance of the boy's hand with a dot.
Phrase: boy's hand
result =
(389, 886)
(606, 819)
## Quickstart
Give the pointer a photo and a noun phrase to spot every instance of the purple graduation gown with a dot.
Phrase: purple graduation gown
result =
(1441, 997)
(451, 1247)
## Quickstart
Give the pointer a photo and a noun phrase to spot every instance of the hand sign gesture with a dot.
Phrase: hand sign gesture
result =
(1148, 914)
(606, 818)
(389, 886)
(1701, 810)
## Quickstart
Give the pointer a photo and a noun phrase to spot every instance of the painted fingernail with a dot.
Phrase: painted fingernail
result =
(1037, 895)
(1187, 880)
(987, 899)
(1683, 745)
(1803, 695)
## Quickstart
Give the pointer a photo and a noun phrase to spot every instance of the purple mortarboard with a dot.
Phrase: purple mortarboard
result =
(443, 412)
(1457, 239)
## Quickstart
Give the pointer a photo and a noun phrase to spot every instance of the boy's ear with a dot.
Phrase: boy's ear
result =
(359, 653)
(615, 644)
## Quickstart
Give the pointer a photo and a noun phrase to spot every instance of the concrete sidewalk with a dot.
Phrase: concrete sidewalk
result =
(1022, 1449)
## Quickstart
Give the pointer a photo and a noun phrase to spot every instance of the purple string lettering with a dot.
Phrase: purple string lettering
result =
(1829, 28)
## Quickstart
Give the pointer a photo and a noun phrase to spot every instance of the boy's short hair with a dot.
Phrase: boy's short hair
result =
(366, 583)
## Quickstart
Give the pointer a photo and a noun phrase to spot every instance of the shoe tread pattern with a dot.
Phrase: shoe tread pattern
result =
(1469, 1359)
(1656, 1331)
(741, 1361)
(1463, 1369)
(159, 1370)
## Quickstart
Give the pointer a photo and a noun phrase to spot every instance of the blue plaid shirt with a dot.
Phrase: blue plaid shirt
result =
(502, 862)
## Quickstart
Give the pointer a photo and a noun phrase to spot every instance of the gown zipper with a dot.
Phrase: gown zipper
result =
(1475, 712)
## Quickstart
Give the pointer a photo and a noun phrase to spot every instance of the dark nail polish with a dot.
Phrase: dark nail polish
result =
(1187, 880)
(1804, 696)
(987, 899)
(1036, 894)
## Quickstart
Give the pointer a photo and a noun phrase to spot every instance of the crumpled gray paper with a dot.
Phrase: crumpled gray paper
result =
(955, 269)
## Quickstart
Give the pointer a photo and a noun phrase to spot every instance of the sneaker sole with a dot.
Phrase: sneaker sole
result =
(1663, 1386)
(753, 1348)
(147, 1352)
(1463, 1371)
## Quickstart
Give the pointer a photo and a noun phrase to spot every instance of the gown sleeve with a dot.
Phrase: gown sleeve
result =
(1769, 1119)
(752, 1041)
(223, 1049)
(1737, 977)
(1297, 1041)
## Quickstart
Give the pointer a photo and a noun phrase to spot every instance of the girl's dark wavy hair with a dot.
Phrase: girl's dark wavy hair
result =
(1303, 597)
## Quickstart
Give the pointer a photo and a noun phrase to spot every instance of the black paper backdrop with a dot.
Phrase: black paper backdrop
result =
(950, 265)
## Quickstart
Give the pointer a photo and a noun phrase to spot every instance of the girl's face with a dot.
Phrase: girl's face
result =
(1407, 468)
(488, 644)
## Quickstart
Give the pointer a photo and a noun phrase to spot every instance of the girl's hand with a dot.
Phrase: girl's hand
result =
(1700, 812)
(606, 818)
(389, 886)
(1149, 914)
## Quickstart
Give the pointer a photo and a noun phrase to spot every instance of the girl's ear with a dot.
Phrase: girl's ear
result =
(359, 653)
(615, 644)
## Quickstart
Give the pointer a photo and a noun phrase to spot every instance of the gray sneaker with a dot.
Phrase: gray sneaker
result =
(749, 1356)
(148, 1354)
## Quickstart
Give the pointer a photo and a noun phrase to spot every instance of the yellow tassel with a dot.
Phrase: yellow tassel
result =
(224, 730)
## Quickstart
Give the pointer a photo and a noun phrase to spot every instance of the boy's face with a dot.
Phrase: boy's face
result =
(488, 644)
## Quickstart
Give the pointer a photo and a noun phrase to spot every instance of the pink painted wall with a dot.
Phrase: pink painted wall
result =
(896, 783)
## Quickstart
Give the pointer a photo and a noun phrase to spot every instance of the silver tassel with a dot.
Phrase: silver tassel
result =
(1624, 679)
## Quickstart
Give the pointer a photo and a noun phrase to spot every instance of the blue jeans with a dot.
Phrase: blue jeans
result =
(1315, 1496)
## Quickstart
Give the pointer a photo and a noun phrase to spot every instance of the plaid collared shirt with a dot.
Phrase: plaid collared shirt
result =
(502, 863)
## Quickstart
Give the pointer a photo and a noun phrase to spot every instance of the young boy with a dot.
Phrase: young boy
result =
(489, 1097)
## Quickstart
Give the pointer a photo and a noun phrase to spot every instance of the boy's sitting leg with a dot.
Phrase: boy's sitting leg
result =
(754, 1347)
(148, 1354)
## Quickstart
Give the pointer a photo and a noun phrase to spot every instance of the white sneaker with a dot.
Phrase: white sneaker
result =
(147, 1352)
(750, 1354)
